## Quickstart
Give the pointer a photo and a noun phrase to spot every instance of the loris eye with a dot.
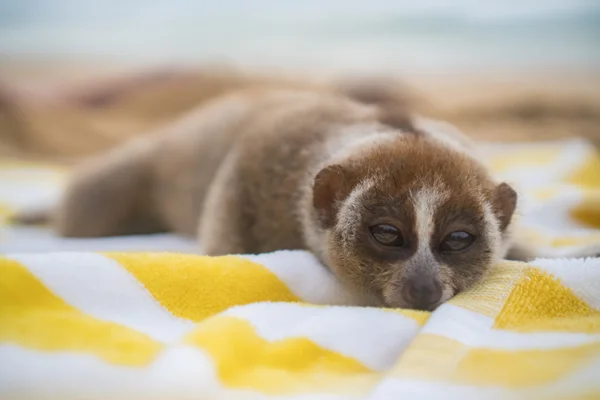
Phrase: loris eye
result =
(387, 235)
(457, 241)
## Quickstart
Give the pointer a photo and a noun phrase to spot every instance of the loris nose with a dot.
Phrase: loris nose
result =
(422, 292)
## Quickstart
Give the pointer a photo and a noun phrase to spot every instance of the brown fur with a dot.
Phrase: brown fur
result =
(400, 168)
(265, 170)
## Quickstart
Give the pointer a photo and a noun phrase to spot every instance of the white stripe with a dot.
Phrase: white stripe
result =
(580, 382)
(475, 330)
(571, 154)
(374, 337)
(304, 275)
(29, 239)
(569, 253)
(102, 288)
(21, 194)
(393, 388)
(179, 372)
(553, 216)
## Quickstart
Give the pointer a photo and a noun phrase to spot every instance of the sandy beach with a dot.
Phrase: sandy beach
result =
(488, 106)
(525, 106)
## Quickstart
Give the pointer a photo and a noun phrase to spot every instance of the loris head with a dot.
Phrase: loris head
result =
(411, 222)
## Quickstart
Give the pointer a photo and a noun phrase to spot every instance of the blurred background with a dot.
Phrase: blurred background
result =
(499, 69)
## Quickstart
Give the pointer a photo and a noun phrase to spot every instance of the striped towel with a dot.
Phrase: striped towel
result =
(103, 325)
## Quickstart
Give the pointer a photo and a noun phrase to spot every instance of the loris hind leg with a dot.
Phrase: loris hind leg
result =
(223, 228)
(110, 195)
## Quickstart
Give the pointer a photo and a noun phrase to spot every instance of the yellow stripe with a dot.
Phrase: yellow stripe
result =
(244, 360)
(566, 241)
(488, 296)
(437, 358)
(5, 212)
(587, 212)
(588, 174)
(539, 302)
(196, 287)
(546, 193)
(420, 317)
(588, 177)
(523, 158)
(585, 394)
(539, 239)
(33, 317)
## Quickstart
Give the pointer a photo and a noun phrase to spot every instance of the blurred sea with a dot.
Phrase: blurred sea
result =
(470, 35)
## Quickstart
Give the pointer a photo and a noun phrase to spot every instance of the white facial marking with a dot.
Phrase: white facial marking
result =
(426, 201)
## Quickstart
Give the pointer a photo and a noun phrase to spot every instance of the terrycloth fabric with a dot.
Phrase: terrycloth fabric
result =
(137, 325)
(559, 189)
(166, 326)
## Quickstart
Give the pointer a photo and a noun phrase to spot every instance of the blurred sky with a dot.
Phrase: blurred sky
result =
(370, 34)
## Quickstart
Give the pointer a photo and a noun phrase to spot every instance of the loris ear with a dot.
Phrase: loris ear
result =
(332, 185)
(505, 202)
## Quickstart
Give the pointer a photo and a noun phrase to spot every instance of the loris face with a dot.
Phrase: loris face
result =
(412, 223)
